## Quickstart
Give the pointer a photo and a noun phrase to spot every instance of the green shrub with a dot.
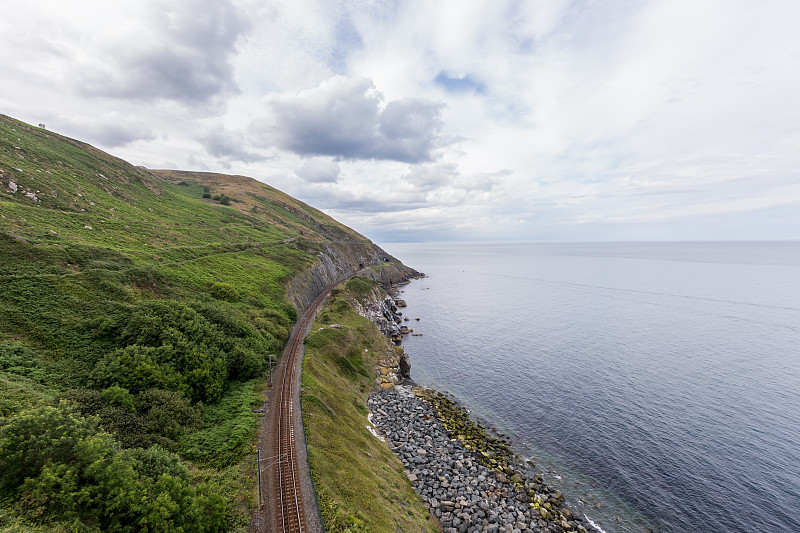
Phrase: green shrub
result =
(248, 358)
(55, 463)
(205, 375)
(158, 416)
(22, 361)
(192, 350)
(139, 368)
(156, 322)
(224, 291)
(172, 347)
(145, 277)
(359, 286)
(168, 414)
(227, 427)
(119, 397)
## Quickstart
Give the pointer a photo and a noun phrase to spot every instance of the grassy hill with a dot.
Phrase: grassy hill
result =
(138, 311)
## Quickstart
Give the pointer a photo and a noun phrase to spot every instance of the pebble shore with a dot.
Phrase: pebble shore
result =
(458, 485)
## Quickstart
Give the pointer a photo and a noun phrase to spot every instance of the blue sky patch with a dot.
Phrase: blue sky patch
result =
(459, 84)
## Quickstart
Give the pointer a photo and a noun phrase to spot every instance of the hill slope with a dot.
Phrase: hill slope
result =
(153, 311)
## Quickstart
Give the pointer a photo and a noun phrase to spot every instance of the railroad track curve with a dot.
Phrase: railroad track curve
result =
(285, 481)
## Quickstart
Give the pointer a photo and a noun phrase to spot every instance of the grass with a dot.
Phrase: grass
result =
(359, 480)
(86, 239)
(228, 427)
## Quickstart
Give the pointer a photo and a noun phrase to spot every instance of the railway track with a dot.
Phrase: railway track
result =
(292, 516)
(285, 481)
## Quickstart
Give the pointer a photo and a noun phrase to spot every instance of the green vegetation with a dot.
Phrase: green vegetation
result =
(361, 286)
(58, 464)
(359, 481)
(138, 315)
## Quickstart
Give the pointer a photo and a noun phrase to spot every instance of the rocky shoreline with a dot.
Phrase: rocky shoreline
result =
(470, 480)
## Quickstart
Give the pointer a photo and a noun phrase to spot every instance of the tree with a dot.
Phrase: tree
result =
(55, 463)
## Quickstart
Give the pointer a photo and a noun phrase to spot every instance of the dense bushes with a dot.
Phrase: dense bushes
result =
(59, 465)
(138, 421)
(22, 361)
(227, 427)
(138, 368)
(224, 291)
(192, 350)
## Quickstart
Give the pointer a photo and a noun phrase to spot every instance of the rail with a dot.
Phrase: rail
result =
(283, 482)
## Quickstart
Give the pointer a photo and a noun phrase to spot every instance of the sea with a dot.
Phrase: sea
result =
(657, 385)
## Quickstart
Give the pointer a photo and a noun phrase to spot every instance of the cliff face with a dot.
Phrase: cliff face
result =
(380, 309)
(340, 259)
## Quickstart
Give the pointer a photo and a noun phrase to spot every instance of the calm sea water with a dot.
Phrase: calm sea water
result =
(658, 385)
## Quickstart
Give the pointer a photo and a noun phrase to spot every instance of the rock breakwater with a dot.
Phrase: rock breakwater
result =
(467, 478)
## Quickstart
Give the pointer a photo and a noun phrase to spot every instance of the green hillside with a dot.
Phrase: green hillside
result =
(138, 311)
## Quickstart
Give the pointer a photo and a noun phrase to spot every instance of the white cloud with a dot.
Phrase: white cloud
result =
(347, 118)
(230, 145)
(318, 170)
(505, 119)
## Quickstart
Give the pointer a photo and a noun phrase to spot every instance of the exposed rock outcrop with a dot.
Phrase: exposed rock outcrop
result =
(339, 259)
(380, 309)
(405, 366)
(389, 369)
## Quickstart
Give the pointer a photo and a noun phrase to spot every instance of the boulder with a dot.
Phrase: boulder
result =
(405, 366)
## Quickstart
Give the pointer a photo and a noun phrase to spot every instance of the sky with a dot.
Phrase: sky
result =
(550, 120)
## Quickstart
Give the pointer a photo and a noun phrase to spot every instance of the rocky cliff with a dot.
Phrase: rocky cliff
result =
(380, 308)
(340, 259)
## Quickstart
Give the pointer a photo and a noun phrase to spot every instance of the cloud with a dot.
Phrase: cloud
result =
(318, 170)
(429, 177)
(361, 200)
(346, 118)
(178, 51)
(110, 130)
(230, 145)
(608, 116)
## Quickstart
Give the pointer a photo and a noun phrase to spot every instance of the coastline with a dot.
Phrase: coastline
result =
(480, 439)
(470, 479)
(467, 477)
